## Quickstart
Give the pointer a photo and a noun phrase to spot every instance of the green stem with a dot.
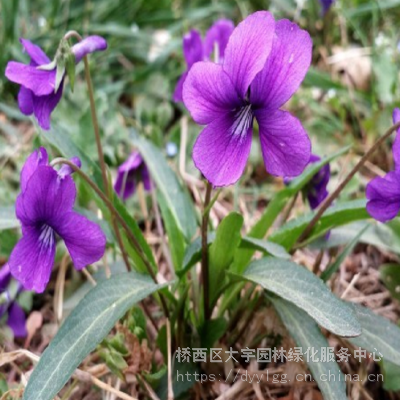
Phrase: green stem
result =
(330, 199)
(97, 136)
(96, 126)
(204, 253)
(289, 209)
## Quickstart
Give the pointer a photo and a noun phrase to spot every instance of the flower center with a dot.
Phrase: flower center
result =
(243, 120)
(47, 237)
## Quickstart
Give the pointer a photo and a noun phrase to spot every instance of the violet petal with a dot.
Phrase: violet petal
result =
(5, 277)
(43, 106)
(220, 152)
(286, 66)
(36, 158)
(32, 259)
(384, 197)
(192, 48)
(84, 239)
(248, 49)
(208, 93)
(25, 101)
(133, 162)
(16, 320)
(285, 144)
(218, 34)
(326, 5)
(39, 81)
(177, 96)
(46, 198)
(88, 45)
(147, 183)
(396, 143)
(37, 55)
(66, 170)
(125, 185)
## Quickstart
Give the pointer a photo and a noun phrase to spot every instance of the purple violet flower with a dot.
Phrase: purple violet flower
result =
(45, 210)
(316, 190)
(15, 314)
(326, 5)
(195, 50)
(129, 174)
(264, 64)
(37, 95)
(384, 193)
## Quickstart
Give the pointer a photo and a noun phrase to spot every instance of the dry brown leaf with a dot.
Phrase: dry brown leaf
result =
(6, 358)
(33, 323)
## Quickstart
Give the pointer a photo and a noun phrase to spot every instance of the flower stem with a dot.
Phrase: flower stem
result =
(96, 125)
(204, 253)
(71, 34)
(329, 200)
(289, 209)
(101, 158)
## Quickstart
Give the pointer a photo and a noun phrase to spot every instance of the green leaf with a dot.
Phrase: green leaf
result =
(301, 287)
(265, 246)
(306, 334)
(176, 241)
(390, 275)
(70, 68)
(193, 253)
(385, 72)
(60, 72)
(323, 80)
(384, 236)
(379, 335)
(276, 205)
(259, 230)
(8, 220)
(337, 215)
(369, 7)
(331, 269)
(134, 227)
(391, 376)
(221, 252)
(84, 329)
(176, 197)
(212, 331)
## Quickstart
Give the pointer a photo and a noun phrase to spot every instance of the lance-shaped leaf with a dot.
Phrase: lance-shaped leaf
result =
(307, 335)
(301, 287)
(84, 329)
(227, 239)
(265, 246)
(337, 215)
(379, 335)
(176, 198)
